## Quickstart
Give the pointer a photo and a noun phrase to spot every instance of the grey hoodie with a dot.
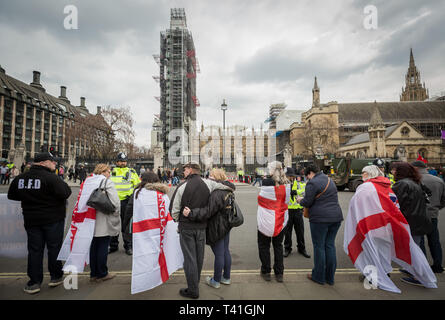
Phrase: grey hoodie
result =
(437, 187)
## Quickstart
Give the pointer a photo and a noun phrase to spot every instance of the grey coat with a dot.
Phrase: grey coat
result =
(437, 187)
(109, 224)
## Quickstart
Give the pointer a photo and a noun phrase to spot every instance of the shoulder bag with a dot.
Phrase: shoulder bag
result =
(306, 210)
(100, 200)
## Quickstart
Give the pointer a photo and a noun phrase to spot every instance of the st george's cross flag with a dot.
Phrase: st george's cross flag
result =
(76, 247)
(156, 249)
(377, 233)
(272, 212)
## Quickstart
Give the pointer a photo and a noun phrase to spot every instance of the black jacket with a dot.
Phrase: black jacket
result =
(413, 206)
(326, 208)
(43, 195)
(217, 220)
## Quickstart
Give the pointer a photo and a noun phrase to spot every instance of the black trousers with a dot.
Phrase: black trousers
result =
(98, 256)
(295, 222)
(192, 244)
(50, 235)
(127, 237)
(264, 251)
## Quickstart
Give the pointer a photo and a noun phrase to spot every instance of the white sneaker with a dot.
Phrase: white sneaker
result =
(212, 283)
(225, 281)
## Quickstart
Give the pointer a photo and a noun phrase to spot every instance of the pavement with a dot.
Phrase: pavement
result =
(246, 281)
(246, 285)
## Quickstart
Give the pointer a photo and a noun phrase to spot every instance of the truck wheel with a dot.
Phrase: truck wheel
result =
(356, 184)
(351, 186)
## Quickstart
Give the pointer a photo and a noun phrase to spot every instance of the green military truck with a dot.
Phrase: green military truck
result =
(347, 172)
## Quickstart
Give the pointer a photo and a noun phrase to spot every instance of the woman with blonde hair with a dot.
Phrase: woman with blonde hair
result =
(218, 229)
(272, 217)
(107, 225)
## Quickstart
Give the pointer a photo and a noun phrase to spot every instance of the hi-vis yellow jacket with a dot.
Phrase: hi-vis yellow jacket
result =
(125, 180)
(300, 187)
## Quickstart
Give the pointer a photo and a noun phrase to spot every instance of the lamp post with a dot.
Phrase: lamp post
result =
(224, 108)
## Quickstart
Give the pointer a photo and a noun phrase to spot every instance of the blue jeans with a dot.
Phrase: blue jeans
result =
(50, 235)
(434, 245)
(257, 180)
(98, 256)
(223, 259)
(325, 260)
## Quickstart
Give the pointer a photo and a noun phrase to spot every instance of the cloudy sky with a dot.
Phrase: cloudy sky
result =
(252, 53)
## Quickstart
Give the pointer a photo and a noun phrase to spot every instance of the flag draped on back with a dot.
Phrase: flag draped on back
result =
(156, 249)
(376, 233)
(76, 247)
(272, 212)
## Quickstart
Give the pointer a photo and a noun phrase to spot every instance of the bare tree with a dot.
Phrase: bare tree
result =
(320, 137)
(105, 133)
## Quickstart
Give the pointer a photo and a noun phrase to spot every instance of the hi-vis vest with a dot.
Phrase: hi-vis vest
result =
(391, 178)
(125, 180)
(240, 173)
(300, 187)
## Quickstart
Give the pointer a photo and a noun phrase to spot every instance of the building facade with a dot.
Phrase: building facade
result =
(374, 129)
(32, 120)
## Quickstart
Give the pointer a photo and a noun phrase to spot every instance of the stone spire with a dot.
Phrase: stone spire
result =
(376, 117)
(315, 94)
(413, 91)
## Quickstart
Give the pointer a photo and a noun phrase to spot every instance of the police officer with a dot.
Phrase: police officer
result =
(295, 216)
(125, 180)
(381, 165)
(43, 196)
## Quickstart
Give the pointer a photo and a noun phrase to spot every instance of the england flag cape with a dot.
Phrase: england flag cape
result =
(76, 247)
(156, 249)
(377, 233)
(272, 212)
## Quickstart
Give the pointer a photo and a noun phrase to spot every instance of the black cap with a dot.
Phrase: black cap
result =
(290, 172)
(193, 165)
(379, 163)
(43, 156)
(419, 164)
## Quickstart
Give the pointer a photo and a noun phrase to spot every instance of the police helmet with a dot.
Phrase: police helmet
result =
(121, 157)
(379, 163)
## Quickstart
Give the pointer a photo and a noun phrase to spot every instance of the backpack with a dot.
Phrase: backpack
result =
(233, 211)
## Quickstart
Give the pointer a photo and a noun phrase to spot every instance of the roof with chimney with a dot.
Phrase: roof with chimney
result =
(35, 94)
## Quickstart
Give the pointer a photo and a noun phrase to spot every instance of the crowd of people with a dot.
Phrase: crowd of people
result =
(199, 207)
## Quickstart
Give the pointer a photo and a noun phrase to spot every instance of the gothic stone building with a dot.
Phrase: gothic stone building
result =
(31, 118)
(378, 129)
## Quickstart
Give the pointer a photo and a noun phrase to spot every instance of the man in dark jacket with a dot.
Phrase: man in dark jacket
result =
(43, 196)
(437, 202)
(193, 193)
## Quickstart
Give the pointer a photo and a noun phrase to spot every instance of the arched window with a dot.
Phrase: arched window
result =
(405, 132)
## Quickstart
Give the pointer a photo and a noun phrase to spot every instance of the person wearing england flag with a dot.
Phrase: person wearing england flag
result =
(272, 217)
(156, 249)
(377, 233)
(325, 217)
(89, 236)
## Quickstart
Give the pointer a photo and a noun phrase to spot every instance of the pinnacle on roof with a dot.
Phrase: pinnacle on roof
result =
(376, 117)
(316, 84)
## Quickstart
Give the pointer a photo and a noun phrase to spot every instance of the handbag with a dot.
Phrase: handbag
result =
(234, 214)
(306, 210)
(100, 200)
